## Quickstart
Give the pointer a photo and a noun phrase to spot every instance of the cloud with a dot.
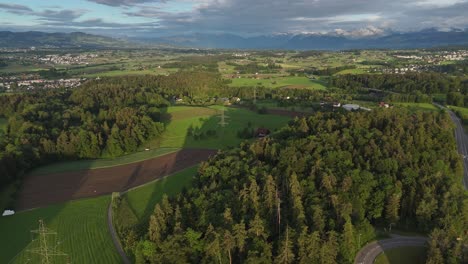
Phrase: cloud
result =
(13, 8)
(60, 15)
(353, 18)
(356, 17)
(123, 2)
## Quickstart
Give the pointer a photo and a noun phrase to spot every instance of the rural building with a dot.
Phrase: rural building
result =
(262, 132)
(351, 107)
(8, 212)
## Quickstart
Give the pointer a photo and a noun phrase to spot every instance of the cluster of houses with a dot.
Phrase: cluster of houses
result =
(438, 57)
(67, 59)
(42, 84)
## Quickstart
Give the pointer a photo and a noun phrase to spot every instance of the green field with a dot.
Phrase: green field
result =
(130, 72)
(274, 105)
(463, 110)
(81, 227)
(139, 202)
(413, 107)
(3, 123)
(176, 134)
(102, 163)
(403, 255)
(293, 82)
(353, 71)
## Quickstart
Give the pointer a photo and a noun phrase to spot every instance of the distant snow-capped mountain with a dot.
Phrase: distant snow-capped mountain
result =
(370, 37)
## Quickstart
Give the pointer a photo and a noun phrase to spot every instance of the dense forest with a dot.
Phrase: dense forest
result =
(426, 83)
(90, 122)
(313, 192)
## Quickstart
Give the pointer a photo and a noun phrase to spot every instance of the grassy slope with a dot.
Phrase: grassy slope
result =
(81, 227)
(352, 71)
(403, 255)
(462, 110)
(102, 163)
(302, 82)
(175, 135)
(418, 106)
(143, 199)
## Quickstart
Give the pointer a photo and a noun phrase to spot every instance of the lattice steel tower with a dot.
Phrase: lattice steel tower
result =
(47, 249)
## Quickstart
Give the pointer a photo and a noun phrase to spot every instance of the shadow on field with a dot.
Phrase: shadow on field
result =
(202, 135)
(209, 133)
(50, 192)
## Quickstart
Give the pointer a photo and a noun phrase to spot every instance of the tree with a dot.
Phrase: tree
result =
(229, 243)
(257, 227)
(213, 245)
(240, 235)
(296, 197)
(392, 208)
(157, 225)
(329, 251)
(286, 253)
(348, 247)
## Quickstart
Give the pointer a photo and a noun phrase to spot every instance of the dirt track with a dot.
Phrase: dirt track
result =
(43, 190)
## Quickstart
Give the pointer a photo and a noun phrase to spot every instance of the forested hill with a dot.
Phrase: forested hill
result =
(29, 39)
(313, 192)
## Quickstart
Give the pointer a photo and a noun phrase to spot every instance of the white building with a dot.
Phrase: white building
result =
(350, 107)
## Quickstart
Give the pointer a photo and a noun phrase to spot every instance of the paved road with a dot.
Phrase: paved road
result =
(462, 144)
(368, 254)
(115, 237)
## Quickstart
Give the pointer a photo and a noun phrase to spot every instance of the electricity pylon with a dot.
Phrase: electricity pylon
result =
(47, 251)
(223, 117)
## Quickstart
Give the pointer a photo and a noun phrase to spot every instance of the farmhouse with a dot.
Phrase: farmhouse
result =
(262, 132)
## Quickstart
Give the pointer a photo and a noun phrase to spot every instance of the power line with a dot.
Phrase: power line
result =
(47, 250)
(223, 117)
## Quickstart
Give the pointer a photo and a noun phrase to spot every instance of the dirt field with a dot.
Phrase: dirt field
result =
(42, 190)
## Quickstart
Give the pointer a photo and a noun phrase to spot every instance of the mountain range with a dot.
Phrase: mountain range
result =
(29, 39)
(421, 39)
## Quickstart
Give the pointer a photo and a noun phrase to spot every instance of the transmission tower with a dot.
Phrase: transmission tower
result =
(47, 249)
(255, 95)
(223, 117)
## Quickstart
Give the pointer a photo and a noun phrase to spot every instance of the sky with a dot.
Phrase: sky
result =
(153, 18)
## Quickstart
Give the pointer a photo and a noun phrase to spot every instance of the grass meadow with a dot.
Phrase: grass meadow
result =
(177, 136)
(403, 255)
(81, 228)
(138, 204)
(293, 82)
(413, 107)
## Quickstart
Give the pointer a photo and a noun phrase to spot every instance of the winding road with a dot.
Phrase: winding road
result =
(462, 144)
(368, 254)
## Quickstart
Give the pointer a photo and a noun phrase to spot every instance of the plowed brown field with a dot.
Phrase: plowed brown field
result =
(43, 190)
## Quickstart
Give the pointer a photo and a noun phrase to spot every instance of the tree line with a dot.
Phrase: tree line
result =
(426, 83)
(313, 192)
